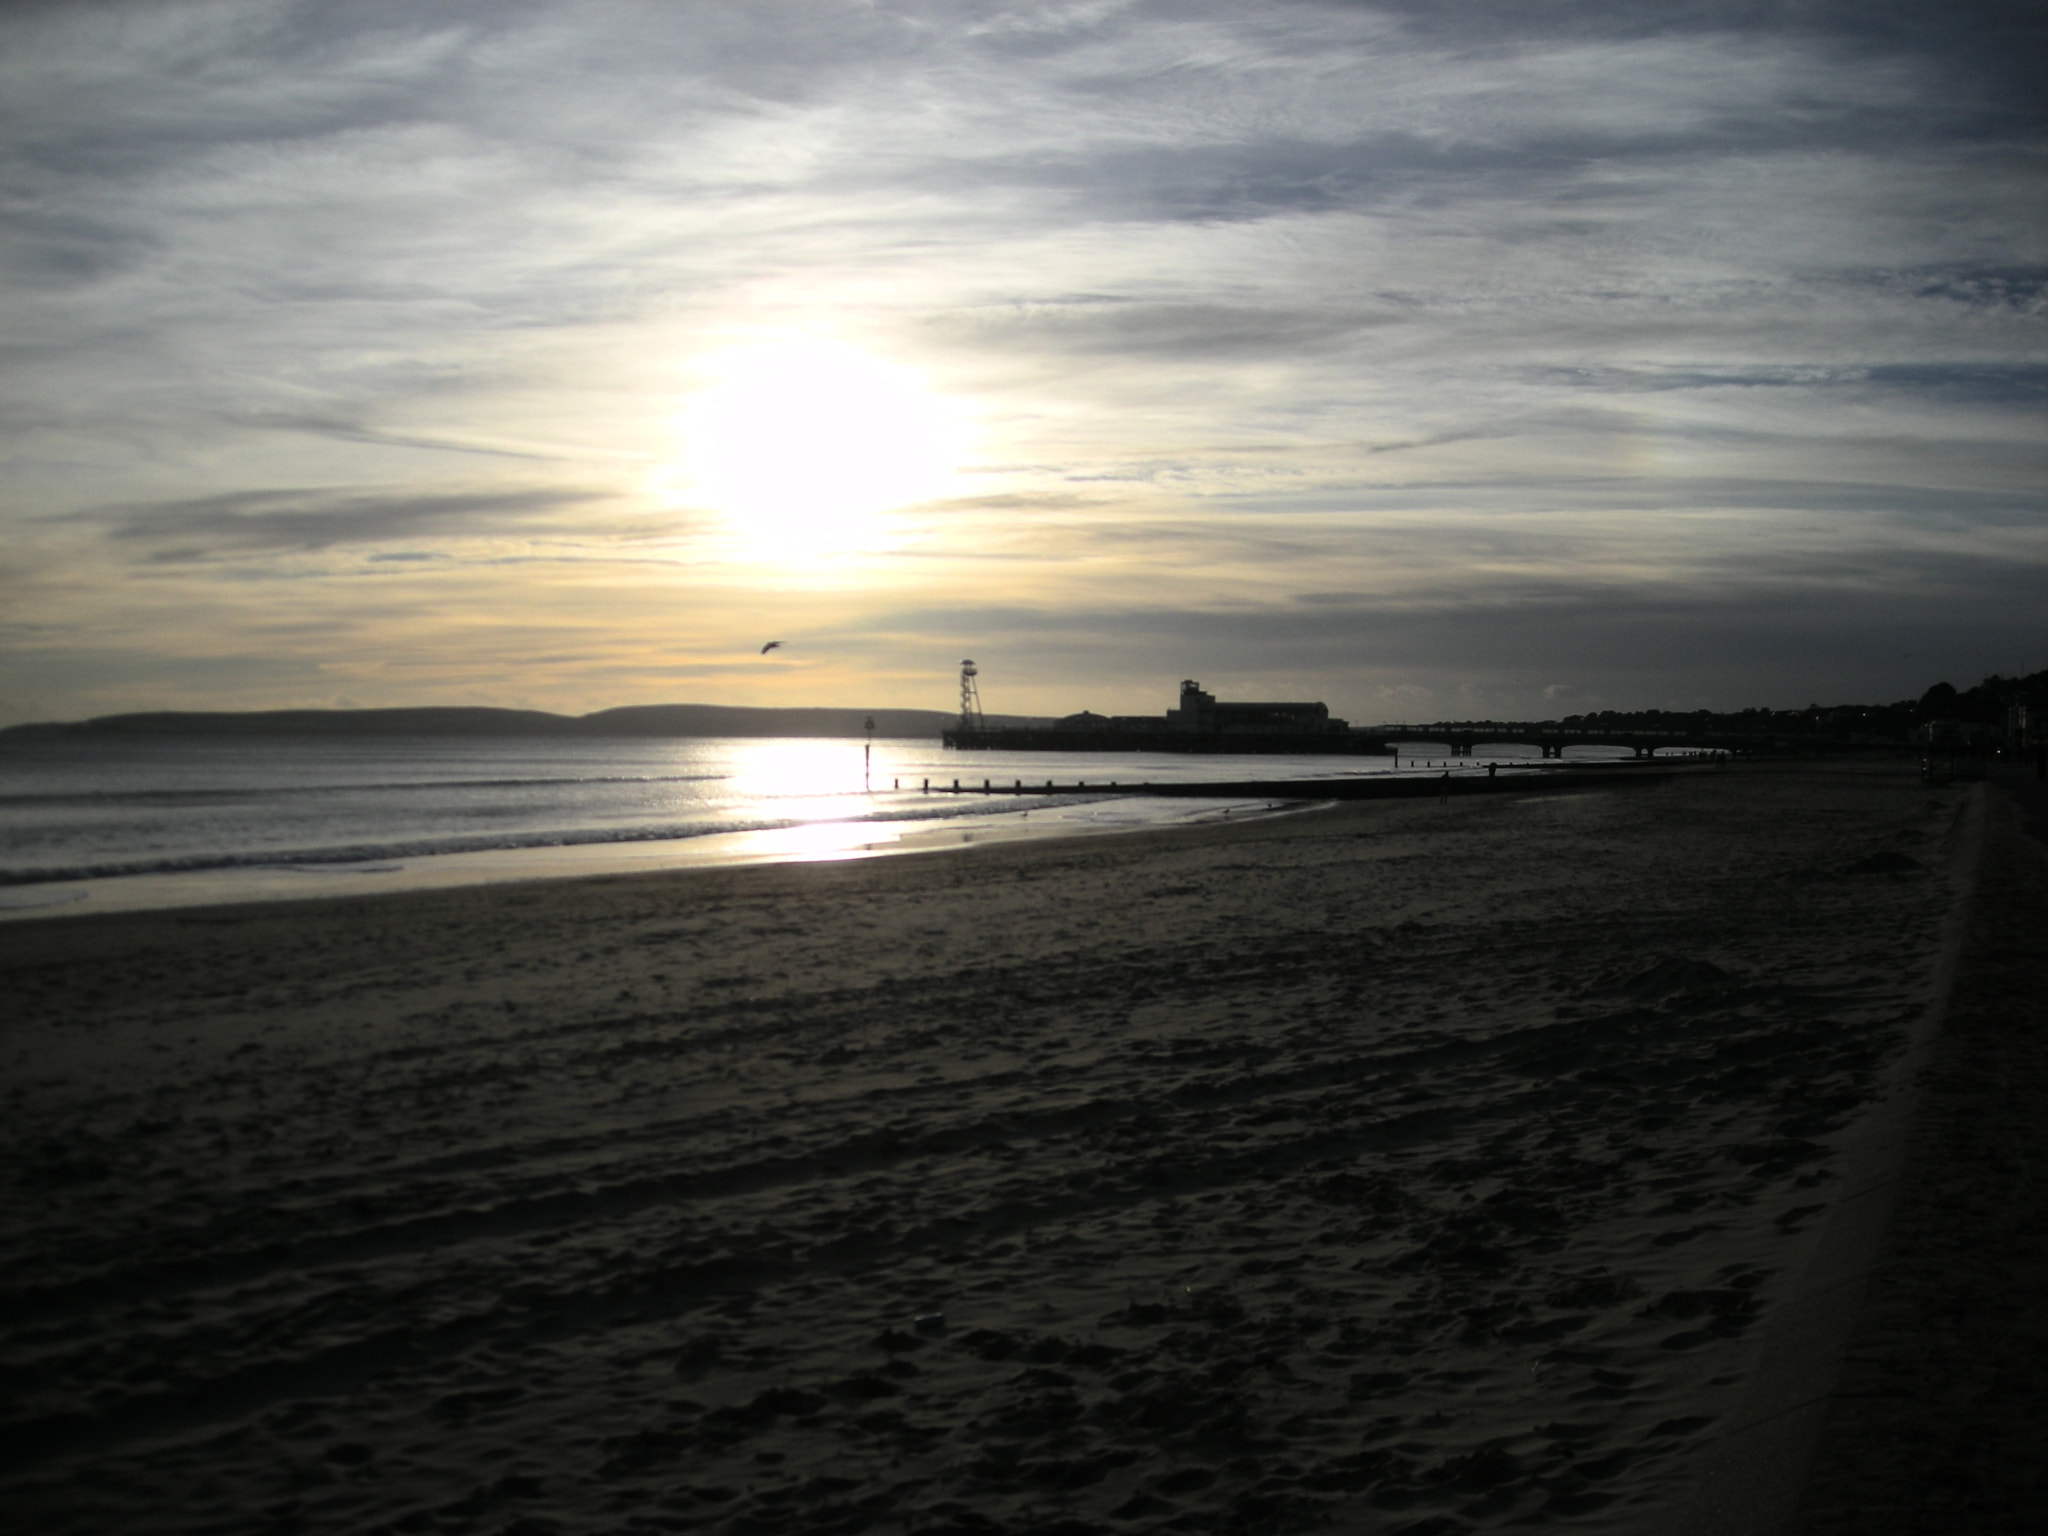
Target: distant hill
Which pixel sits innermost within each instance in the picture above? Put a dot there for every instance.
(735, 720)
(639, 720)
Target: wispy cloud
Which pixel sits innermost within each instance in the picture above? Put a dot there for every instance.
(319, 519)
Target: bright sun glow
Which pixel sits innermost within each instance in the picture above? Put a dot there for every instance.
(804, 445)
(805, 780)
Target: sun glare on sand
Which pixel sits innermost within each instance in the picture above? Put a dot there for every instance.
(804, 446)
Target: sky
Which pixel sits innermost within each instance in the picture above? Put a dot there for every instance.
(1491, 359)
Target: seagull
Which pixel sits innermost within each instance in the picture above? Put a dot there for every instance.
(771, 645)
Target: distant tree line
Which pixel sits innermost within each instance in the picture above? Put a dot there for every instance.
(1987, 704)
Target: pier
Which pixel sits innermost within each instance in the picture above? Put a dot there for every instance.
(1202, 723)
(1460, 739)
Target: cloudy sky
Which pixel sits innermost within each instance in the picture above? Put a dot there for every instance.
(1498, 357)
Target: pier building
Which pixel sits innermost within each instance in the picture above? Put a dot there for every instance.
(1200, 723)
(1201, 712)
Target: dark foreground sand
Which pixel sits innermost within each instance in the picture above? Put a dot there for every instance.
(1939, 1422)
(1400, 1167)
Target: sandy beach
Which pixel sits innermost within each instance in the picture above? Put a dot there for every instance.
(1392, 1167)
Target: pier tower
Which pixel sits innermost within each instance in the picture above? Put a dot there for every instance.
(970, 697)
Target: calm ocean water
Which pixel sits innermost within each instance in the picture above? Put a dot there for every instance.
(167, 822)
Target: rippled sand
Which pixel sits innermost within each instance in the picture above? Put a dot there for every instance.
(1395, 1167)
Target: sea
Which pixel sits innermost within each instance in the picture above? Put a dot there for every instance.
(127, 824)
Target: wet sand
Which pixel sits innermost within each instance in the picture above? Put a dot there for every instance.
(1404, 1167)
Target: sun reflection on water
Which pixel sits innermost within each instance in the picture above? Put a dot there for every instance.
(800, 780)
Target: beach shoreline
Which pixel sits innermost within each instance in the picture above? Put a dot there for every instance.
(1401, 1162)
(1065, 810)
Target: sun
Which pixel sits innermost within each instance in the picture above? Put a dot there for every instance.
(803, 446)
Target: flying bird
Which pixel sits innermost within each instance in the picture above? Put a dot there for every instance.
(771, 645)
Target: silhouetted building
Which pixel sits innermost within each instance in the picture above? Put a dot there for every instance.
(1202, 713)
